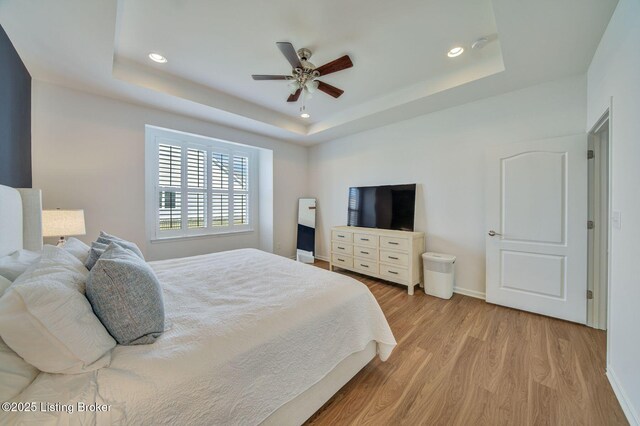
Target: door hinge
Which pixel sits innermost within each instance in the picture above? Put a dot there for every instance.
(591, 155)
(589, 294)
(590, 224)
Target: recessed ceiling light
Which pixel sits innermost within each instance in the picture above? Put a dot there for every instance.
(305, 115)
(156, 57)
(456, 51)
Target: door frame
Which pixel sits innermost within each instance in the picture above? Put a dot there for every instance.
(600, 287)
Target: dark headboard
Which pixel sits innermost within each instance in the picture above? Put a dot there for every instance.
(15, 117)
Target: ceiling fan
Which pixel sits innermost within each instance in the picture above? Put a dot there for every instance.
(304, 74)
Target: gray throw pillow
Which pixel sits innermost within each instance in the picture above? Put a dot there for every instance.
(94, 254)
(105, 238)
(126, 296)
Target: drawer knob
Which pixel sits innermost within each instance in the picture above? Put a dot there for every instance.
(393, 272)
(393, 257)
(364, 239)
(341, 248)
(364, 266)
(393, 243)
(340, 260)
(364, 252)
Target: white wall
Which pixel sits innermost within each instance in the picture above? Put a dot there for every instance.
(615, 72)
(444, 153)
(88, 152)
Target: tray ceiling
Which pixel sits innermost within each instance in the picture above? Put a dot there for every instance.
(401, 68)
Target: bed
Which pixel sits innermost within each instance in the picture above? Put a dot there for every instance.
(250, 338)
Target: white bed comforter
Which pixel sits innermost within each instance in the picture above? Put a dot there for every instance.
(247, 331)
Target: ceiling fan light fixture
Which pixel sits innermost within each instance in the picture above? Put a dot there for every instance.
(311, 86)
(303, 112)
(456, 51)
(156, 57)
(305, 115)
(294, 85)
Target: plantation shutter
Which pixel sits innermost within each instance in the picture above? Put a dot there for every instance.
(220, 189)
(169, 184)
(240, 190)
(202, 189)
(196, 187)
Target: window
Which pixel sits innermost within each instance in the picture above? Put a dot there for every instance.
(198, 186)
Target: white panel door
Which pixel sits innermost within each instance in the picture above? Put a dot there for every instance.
(537, 227)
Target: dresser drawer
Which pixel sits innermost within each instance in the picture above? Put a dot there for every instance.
(367, 266)
(342, 248)
(342, 236)
(340, 260)
(394, 257)
(394, 243)
(393, 273)
(365, 240)
(365, 252)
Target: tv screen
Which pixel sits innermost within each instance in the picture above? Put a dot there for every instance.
(384, 207)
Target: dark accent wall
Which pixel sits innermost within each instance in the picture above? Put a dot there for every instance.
(15, 117)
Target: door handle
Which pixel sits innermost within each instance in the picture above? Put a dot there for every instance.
(493, 233)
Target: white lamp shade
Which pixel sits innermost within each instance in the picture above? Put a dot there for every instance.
(61, 223)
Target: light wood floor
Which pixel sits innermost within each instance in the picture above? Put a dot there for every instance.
(466, 362)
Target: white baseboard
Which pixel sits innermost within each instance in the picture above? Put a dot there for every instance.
(459, 290)
(470, 293)
(629, 410)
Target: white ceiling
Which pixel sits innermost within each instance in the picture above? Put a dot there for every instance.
(398, 48)
(391, 47)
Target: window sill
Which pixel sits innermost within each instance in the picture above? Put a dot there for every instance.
(197, 237)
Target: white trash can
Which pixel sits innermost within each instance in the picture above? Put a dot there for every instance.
(439, 272)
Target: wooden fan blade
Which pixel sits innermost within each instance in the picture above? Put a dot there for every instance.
(269, 77)
(295, 96)
(329, 89)
(337, 65)
(290, 53)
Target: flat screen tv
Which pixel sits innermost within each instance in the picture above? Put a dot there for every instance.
(384, 207)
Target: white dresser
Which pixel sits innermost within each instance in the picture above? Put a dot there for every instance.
(390, 255)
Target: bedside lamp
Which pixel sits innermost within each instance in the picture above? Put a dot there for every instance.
(61, 223)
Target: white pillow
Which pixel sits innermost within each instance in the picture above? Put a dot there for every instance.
(12, 266)
(77, 248)
(15, 373)
(46, 318)
(4, 284)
